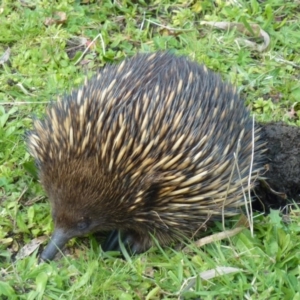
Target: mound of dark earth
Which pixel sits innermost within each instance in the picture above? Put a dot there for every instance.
(283, 165)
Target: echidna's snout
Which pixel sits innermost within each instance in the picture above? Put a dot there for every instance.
(58, 240)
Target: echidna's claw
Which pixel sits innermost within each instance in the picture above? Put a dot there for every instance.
(112, 243)
(131, 241)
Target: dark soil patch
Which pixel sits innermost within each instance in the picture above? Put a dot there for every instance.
(283, 165)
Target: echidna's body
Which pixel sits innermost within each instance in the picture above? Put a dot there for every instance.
(145, 147)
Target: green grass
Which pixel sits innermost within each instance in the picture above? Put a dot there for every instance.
(42, 63)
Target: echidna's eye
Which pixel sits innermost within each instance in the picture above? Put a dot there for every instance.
(82, 225)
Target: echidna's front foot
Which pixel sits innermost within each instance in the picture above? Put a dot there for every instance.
(131, 240)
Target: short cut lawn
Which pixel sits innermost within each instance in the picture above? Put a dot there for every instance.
(48, 47)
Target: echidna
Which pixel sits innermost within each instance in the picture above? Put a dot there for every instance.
(157, 145)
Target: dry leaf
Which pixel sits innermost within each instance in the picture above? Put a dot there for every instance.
(207, 275)
(215, 237)
(59, 17)
(5, 56)
(242, 222)
(258, 32)
(149, 272)
(6, 241)
(31, 247)
(219, 271)
(292, 114)
(28, 3)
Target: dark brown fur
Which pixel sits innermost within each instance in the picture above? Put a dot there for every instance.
(146, 146)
